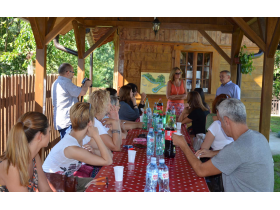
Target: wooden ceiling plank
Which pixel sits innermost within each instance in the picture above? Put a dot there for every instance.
(57, 29)
(39, 38)
(77, 38)
(50, 24)
(164, 25)
(249, 32)
(275, 40)
(214, 44)
(99, 42)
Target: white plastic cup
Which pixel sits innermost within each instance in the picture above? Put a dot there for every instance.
(131, 156)
(179, 127)
(141, 118)
(118, 173)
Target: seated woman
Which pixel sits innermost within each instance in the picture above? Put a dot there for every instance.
(100, 101)
(126, 112)
(194, 112)
(216, 139)
(20, 165)
(67, 155)
(213, 116)
(201, 93)
(143, 97)
(125, 125)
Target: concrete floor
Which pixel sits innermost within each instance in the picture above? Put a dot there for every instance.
(274, 143)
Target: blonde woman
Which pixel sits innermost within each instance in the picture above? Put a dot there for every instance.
(100, 101)
(67, 156)
(176, 91)
(20, 165)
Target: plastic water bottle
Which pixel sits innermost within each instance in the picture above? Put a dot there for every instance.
(145, 121)
(151, 176)
(164, 120)
(150, 142)
(159, 145)
(155, 122)
(163, 177)
(155, 108)
(160, 122)
(173, 113)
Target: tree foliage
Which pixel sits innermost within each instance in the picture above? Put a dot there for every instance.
(276, 83)
(18, 50)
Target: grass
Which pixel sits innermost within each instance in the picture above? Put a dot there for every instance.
(276, 159)
(275, 124)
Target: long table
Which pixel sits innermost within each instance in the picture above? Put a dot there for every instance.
(182, 177)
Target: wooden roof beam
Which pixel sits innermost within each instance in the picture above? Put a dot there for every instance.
(275, 40)
(163, 25)
(50, 24)
(57, 29)
(39, 37)
(216, 46)
(249, 32)
(99, 42)
(77, 38)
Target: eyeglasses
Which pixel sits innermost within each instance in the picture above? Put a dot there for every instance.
(178, 73)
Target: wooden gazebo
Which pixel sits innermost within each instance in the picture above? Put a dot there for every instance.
(138, 49)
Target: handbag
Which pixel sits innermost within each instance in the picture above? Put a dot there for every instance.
(61, 183)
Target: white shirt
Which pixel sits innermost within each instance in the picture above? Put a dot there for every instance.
(64, 95)
(101, 128)
(221, 139)
(56, 161)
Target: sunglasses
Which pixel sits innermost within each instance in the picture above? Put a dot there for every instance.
(178, 73)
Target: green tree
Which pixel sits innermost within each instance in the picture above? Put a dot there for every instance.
(18, 50)
(276, 83)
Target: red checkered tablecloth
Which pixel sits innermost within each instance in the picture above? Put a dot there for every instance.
(182, 177)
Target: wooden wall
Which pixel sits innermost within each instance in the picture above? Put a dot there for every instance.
(145, 52)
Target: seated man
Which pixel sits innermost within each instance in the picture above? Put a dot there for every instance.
(246, 164)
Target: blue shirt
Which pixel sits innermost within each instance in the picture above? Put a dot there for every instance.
(229, 88)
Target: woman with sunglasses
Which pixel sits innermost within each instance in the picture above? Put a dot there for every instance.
(176, 91)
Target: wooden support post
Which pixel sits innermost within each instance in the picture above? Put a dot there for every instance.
(121, 65)
(116, 61)
(235, 48)
(267, 82)
(194, 70)
(81, 71)
(177, 58)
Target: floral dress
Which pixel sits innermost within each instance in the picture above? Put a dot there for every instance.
(32, 185)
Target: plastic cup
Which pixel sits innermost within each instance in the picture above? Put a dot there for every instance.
(118, 173)
(141, 118)
(131, 156)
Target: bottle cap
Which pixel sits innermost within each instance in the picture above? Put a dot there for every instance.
(145, 112)
(151, 129)
(161, 160)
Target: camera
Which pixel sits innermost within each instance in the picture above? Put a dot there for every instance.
(84, 80)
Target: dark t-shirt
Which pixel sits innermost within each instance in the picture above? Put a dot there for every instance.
(198, 118)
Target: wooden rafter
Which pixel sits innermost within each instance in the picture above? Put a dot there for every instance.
(99, 42)
(249, 32)
(77, 38)
(237, 37)
(214, 44)
(39, 37)
(260, 28)
(275, 40)
(50, 24)
(57, 29)
(163, 25)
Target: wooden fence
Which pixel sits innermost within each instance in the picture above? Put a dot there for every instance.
(275, 106)
(17, 96)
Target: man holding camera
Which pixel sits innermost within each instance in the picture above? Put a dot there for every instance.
(64, 95)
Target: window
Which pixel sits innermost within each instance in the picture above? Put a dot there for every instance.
(196, 67)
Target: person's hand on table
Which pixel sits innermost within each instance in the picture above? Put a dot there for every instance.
(204, 153)
(179, 140)
(113, 113)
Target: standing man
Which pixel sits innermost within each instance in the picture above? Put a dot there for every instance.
(227, 86)
(246, 164)
(64, 95)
